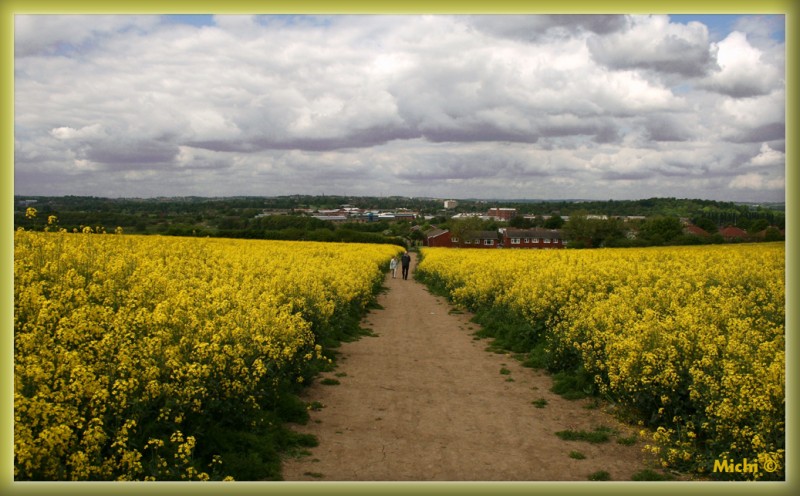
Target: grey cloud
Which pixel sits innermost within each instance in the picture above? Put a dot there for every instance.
(666, 128)
(47, 34)
(607, 134)
(568, 125)
(740, 88)
(778, 146)
(362, 139)
(668, 54)
(476, 133)
(130, 152)
(684, 166)
(681, 170)
(537, 27)
(510, 163)
(612, 175)
(760, 29)
(760, 134)
(458, 167)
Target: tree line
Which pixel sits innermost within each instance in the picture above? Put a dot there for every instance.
(244, 217)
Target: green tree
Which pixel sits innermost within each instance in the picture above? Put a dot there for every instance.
(757, 225)
(554, 222)
(661, 230)
(773, 234)
(461, 228)
(520, 222)
(706, 224)
(585, 232)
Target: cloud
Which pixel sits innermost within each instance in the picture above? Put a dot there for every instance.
(756, 181)
(91, 132)
(763, 32)
(46, 34)
(754, 119)
(536, 28)
(515, 106)
(653, 43)
(768, 157)
(742, 73)
(667, 127)
(121, 153)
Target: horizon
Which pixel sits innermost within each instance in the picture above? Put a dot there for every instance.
(21, 197)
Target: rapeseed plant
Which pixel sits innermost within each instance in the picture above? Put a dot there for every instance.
(691, 340)
(128, 349)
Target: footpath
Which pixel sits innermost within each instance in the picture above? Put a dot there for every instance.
(423, 400)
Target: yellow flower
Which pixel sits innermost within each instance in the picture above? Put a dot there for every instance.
(662, 331)
(108, 327)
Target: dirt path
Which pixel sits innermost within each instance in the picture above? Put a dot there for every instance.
(424, 401)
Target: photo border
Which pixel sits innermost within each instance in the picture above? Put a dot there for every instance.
(8, 8)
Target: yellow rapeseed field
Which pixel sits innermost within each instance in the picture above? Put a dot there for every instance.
(690, 340)
(124, 346)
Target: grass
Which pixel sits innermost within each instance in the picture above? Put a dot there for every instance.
(493, 348)
(374, 305)
(598, 435)
(363, 331)
(600, 475)
(536, 358)
(572, 385)
(592, 405)
(505, 371)
(315, 406)
(329, 381)
(540, 403)
(627, 441)
(577, 455)
(509, 330)
(651, 475)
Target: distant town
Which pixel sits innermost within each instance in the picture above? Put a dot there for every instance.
(413, 222)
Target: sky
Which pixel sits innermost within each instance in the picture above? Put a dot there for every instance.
(499, 106)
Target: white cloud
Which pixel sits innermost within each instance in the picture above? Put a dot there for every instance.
(653, 43)
(238, 24)
(742, 73)
(93, 131)
(515, 106)
(768, 157)
(756, 181)
(46, 33)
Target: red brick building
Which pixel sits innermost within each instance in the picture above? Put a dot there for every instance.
(472, 239)
(733, 233)
(438, 238)
(537, 238)
(504, 214)
(697, 231)
(533, 238)
(478, 239)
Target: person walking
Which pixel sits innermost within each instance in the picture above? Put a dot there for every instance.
(393, 267)
(406, 263)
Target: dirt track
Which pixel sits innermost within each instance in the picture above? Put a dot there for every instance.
(424, 401)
